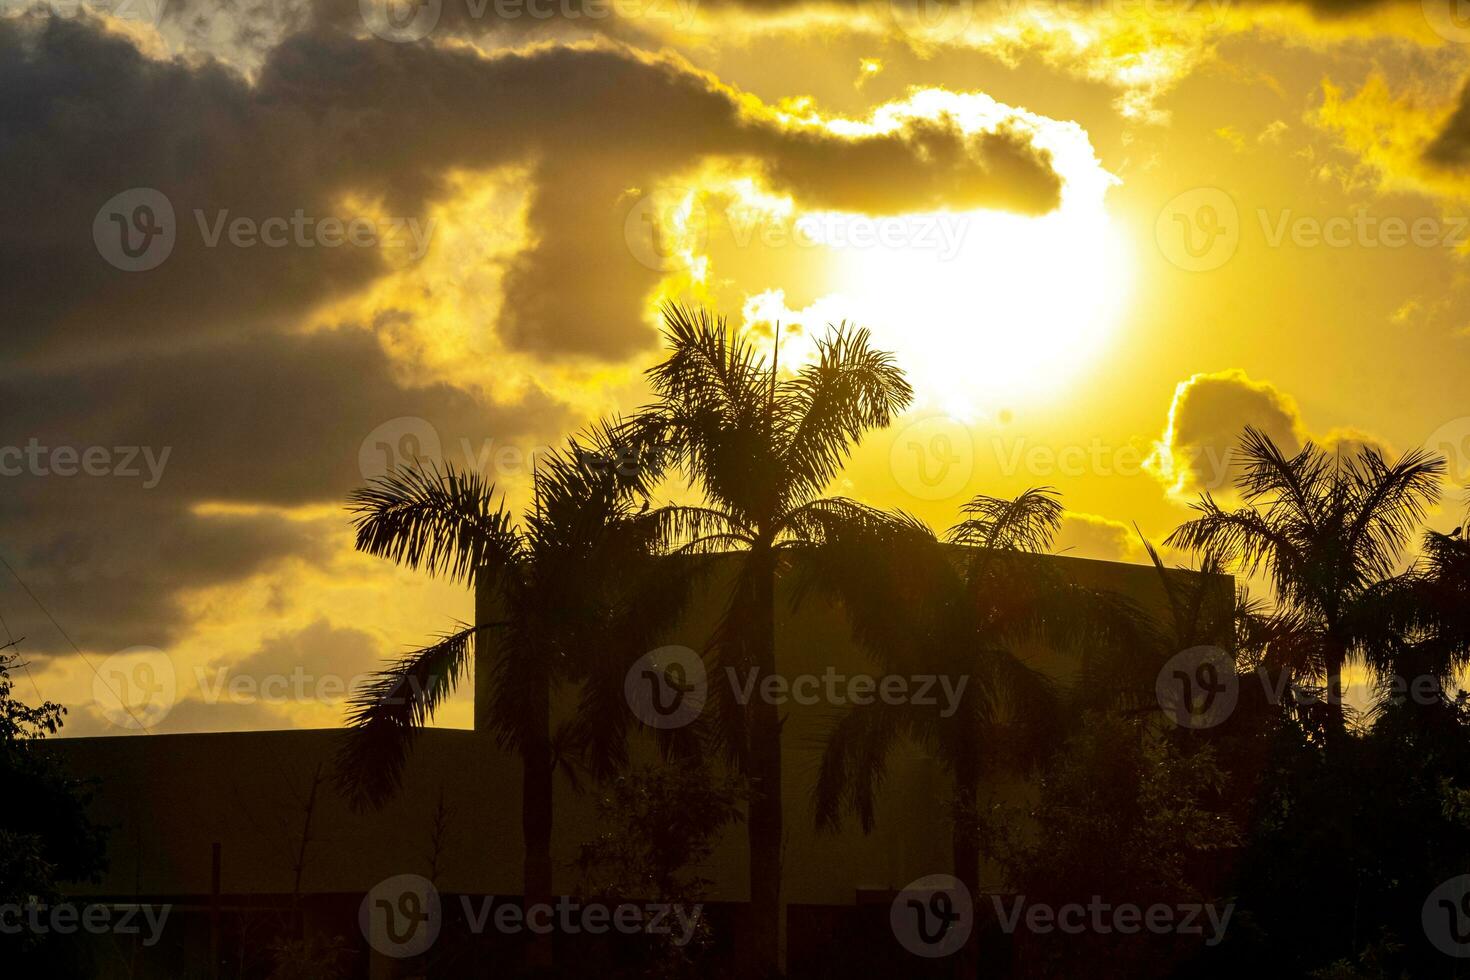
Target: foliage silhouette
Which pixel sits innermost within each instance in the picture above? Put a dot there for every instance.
(581, 599)
(761, 446)
(1326, 528)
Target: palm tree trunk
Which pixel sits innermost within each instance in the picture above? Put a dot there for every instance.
(536, 769)
(966, 847)
(764, 826)
(536, 815)
(1336, 654)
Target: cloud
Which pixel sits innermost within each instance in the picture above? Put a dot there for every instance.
(1090, 536)
(277, 421)
(335, 127)
(229, 356)
(1141, 51)
(304, 673)
(190, 714)
(1198, 450)
(1204, 424)
(1450, 148)
(318, 649)
(1349, 441)
(1400, 138)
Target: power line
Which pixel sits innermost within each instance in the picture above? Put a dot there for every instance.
(11, 641)
(42, 606)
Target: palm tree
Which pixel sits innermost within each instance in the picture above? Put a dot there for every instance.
(762, 446)
(1326, 528)
(1121, 671)
(1120, 663)
(575, 588)
(1428, 619)
(959, 609)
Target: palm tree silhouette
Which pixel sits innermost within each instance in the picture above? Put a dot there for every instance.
(581, 597)
(1327, 528)
(762, 447)
(958, 608)
(1427, 617)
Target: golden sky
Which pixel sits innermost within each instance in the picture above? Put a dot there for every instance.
(1100, 235)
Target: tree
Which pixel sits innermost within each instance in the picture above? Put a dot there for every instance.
(959, 610)
(1126, 814)
(1326, 528)
(762, 446)
(576, 586)
(46, 835)
(1121, 663)
(658, 824)
(1427, 617)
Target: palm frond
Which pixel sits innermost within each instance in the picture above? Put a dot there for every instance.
(386, 714)
(1178, 603)
(1293, 484)
(854, 765)
(895, 582)
(1388, 504)
(1027, 522)
(826, 409)
(1188, 592)
(446, 522)
(681, 529)
(1245, 539)
(828, 520)
(709, 364)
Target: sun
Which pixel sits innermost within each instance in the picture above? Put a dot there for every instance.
(990, 309)
(984, 309)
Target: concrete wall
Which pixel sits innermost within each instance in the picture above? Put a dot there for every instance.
(170, 797)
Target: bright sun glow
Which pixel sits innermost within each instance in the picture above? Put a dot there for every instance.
(984, 310)
(1018, 308)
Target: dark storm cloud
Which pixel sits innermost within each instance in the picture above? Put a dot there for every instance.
(109, 565)
(197, 357)
(1451, 148)
(266, 420)
(89, 116)
(505, 21)
(635, 20)
(271, 419)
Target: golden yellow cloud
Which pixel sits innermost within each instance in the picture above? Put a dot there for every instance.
(1206, 417)
(1387, 133)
